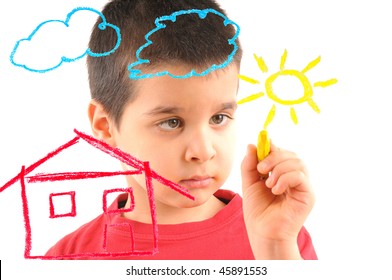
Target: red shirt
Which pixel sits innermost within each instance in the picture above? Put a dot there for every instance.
(221, 237)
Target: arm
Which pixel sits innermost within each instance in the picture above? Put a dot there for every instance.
(275, 206)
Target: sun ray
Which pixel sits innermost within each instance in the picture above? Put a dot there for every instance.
(293, 115)
(313, 105)
(311, 64)
(327, 83)
(283, 60)
(248, 79)
(270, 81)
(260, 62)
(250, 98)
(270, 116)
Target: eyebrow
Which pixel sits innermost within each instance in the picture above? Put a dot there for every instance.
(169, 110)
(163, 110)
(229, 105)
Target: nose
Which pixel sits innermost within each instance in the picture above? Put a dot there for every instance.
(200, 147)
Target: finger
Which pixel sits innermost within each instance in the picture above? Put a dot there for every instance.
(291, 180)
(274, 158)
(249, 172)
(252, 186)
(285, 166)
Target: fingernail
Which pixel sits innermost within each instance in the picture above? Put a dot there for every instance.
(263, 166)
(268, 181)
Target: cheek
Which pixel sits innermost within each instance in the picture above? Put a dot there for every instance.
(139, 147)
(226, 149)
(162, 158)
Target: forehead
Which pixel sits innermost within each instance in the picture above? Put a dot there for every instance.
(220, 81)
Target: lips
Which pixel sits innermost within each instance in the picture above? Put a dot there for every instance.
(197, 182)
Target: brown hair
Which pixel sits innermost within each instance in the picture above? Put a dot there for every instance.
(189, 41)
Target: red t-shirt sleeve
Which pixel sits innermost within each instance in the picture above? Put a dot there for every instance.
(305, 245)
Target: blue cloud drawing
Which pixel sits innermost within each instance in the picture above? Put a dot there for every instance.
(137, 74)
(102, 26)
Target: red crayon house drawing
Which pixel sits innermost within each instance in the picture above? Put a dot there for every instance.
(56, 197)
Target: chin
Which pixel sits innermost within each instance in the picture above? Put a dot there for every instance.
(200, 199)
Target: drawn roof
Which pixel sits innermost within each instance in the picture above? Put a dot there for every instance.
(116, 153)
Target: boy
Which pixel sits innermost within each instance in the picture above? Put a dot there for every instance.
(185, 129)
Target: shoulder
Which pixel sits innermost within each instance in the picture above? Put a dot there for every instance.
(79, 240)
(88, 237)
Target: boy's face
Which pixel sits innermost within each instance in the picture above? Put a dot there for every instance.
(185, 129)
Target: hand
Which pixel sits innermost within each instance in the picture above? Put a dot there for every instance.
(276, 204)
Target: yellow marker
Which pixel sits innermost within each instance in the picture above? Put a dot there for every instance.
(263, 145)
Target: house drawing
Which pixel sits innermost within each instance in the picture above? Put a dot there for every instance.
(57, 198)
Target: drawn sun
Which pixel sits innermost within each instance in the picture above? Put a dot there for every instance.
(269, 89)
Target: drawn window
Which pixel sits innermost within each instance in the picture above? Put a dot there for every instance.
(62, 205)
(108, 195)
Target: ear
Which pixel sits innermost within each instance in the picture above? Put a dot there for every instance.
(101, 124)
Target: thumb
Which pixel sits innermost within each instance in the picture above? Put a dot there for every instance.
(249, 172)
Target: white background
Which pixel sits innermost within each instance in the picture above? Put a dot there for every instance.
(346, 147)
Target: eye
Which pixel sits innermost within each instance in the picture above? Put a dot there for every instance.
(220, 119)
(170, 124)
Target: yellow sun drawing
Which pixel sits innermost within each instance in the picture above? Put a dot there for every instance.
(300, 75)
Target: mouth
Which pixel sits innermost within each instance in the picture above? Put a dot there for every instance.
(197, 182)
